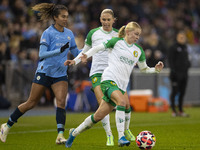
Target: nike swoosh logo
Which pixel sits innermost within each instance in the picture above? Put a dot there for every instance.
(122, 49)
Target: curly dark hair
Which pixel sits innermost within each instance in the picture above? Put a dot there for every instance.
(48, 10)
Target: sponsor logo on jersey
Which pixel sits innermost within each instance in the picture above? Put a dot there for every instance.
(135, 53)
(126, 60)
(94, 80)
(68, 38)
(59, 44)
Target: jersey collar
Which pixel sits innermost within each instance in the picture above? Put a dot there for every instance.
(106, 32)
(129, 45)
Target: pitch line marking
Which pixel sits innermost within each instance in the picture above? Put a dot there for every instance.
(100, 127)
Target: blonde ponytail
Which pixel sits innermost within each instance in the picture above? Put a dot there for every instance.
(121, 32)
(130, 26)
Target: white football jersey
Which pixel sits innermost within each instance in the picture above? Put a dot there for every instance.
(122, 59)
(100, 59)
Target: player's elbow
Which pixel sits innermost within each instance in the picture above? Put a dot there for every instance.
(143, 70)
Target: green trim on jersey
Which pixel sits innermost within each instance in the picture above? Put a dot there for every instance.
(142, 56)
(106, 32)
(116, 30)
(129, 45)
(111, 43)
(88, 40)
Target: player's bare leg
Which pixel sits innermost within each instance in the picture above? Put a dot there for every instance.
(36, 93)
(60, 90)
(104, 109)
(106, 120)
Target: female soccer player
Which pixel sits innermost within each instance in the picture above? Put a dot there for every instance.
(123, 56)
(99, 63)
(55, 43)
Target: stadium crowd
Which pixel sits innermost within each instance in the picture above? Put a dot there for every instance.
(20, 30)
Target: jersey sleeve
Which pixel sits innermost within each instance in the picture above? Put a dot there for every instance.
(142, 56)
(111, 43)
(145, 69)
(88, 39)
(44, 53)
(45, 38)
(44, 47)
(84, 50)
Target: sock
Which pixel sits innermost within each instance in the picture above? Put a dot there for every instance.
(60, 119)
(120, 120)
(86, 124)
(127, 118)
(106, 124)
(14, 117)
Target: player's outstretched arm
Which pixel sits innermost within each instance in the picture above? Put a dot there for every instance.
(94, 50)
(86, 55)
(145, 69)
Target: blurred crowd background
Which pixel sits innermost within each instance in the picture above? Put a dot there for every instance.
(20, 29)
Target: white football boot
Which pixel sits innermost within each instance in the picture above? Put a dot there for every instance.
(4, 132)
(60, 139)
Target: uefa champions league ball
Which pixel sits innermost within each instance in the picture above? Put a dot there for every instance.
(145, 140)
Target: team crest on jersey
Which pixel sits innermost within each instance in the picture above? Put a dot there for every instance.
(69, 38)
(94, 80)
(113, 83)
(38, 77)
(43, 40)
(135, 53)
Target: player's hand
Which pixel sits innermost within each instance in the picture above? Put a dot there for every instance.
(83, 58)
(69, 62)
(62, 49)
(159, 66)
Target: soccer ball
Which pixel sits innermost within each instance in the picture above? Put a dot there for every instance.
(145, 140)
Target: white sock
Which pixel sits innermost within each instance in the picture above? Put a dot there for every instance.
(106, 124)
(86, 124)
(120, 120)
(127, 120)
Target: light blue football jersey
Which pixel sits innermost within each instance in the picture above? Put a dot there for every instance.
(51, 60)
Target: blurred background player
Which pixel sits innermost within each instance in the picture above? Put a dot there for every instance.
(99, 63)
(179, 64)
(123, 56)
(55, 43)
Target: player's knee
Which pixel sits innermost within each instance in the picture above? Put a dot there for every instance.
(122, 102)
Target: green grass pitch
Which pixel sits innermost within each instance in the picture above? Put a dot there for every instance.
(39, 132)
